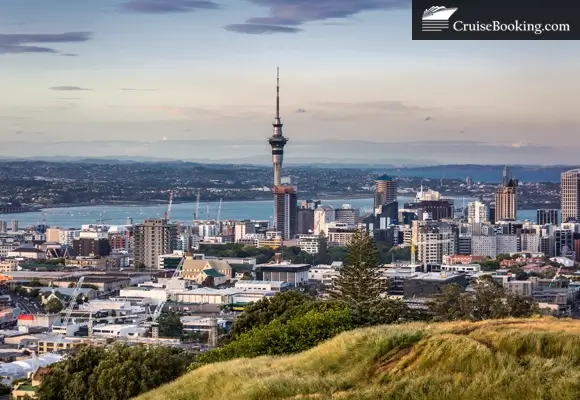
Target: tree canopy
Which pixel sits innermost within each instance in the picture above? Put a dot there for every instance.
(117, 373)
(53, 306)
(170, 325)
(488, 300)
(359, 279)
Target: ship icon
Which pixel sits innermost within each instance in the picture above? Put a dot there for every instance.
(436, 18)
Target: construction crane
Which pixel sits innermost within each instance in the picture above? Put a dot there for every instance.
(159, 309)
(70, 306)
(168, 212)
(219, 211)
(555, 276)
(196, 214)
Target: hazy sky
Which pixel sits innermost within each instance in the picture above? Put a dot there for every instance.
(139, 70)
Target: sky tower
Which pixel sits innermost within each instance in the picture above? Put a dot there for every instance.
(277, 140)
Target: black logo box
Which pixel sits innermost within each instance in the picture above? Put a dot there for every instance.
(565, 14)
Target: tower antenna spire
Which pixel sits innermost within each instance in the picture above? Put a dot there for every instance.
(278, 92)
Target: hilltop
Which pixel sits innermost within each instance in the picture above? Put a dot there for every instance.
(503, 359)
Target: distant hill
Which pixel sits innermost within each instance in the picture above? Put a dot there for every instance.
(508, 360)
(486, 173)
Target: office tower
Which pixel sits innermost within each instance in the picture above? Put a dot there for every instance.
(431, 241)
(492, 213)
(92, 244)
(323, 215)
(547, 217)
(570, 195)
(285, 211)
(3, 227)
(506, 198)
(129, 221)
(386, 191)
(277, 140)
(305, 221)
(14, 225)
(152, 239)
(477, 212)
(345, 214)
(437, 209)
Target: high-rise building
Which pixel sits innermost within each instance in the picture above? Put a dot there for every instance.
(277, 140)
(386, 191)
(3, 227)
(477, 212)
(506, 198)
(305, 221)
(14, 225)
(547, 217)
(285, 211)
(570, 195)
(152, 239)
(323, 215)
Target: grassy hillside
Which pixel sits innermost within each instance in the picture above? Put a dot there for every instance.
(507, 359)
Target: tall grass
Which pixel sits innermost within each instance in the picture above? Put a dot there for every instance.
(508, 359)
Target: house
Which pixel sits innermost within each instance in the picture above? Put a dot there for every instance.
(199, 270)
(28, 389)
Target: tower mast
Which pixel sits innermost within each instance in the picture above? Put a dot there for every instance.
(277, 140)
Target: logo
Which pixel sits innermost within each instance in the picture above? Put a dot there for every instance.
(436, 18)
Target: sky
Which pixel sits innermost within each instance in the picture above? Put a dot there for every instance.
(196, 79)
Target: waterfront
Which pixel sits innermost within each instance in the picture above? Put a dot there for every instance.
(74, 217)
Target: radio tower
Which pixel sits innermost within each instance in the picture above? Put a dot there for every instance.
(277, 140)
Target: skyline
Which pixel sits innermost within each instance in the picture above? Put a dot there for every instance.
(126, 73)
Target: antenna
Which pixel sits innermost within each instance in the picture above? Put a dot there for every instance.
(278, 92)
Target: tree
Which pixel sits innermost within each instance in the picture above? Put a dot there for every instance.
(53, 306)
(35, 283)
(297, 334)
(119, 372)
(283, 305)
(360, 277)
(488, 300)
(170, 325)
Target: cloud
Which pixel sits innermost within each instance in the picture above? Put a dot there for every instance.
(69, 88)
(260, 29)
(69, 55)
(18, 43)
(167, 6)
(285, 14)
(138, 90)
(68, 98)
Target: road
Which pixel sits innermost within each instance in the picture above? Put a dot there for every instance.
(26, 305)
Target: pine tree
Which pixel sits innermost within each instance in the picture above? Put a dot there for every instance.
(359, 280)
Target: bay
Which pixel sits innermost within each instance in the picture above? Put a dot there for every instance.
(74, 217)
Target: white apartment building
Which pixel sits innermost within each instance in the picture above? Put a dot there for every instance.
(67, 236)
(208, 230)
(433, 240)
(506, 244)
(310, 243)
(477, 212)
(243, 228)
(323, 215)
(484, 246)
(339, 233)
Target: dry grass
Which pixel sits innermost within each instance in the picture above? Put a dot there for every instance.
(508, 359)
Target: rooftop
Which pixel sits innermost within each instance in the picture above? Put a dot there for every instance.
(384, 178)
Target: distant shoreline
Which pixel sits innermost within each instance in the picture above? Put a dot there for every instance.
(164, 203)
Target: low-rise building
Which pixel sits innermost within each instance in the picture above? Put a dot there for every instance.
(293, 274)
(430, 283)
